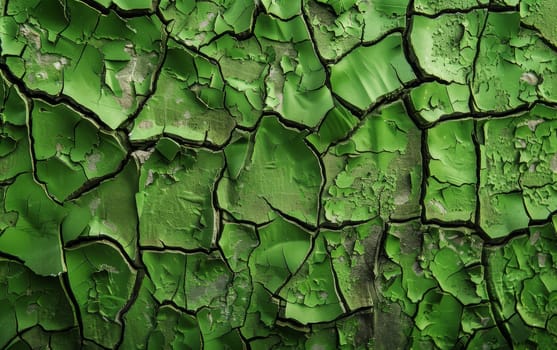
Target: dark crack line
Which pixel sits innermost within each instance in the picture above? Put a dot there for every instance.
(240, 36)
(94, 342)
(407, 47)
(20, 333)
(456, 11)
(533, 28)
(10, 257)
(120, 316)
(499, 322)
(363, 43)
(126, 124)
(477, 150)
(122, 13)
(302, 224)
(66, 285)
(338, 289)
(426, 173)
(295, 324)
(86, 240)
(94, 183)
(176, 249)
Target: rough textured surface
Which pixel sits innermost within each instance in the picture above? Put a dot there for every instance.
(278, 174)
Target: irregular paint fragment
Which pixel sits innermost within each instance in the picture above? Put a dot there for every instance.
(279, 171)
(195, 24)
(336, 125)
(244, 68)
(508, 76)
(70, 151)
(369, 72)
(173, 210)
(523, 279)
(35, 235)
(446, 46)
(310, 294)
(538, 15)
(189, 103)
(451, 187)
(432, 7)
(432, 274)
(334, 33)
(282, 250)
(350, 249)
(433, 100)
(295, 83)
(517, 174)
(101, 280)
(375, 172)
(28, 300)
(105, 63)
(108, 210)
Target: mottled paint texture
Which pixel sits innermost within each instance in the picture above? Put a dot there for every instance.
(278, 174)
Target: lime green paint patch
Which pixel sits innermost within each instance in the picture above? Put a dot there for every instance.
(34, 237)
(433, 100)
(174, 211)
(446, 46)
(375, 171)
(70, 150)
(280, 172)
(369, 72)
(102, 280)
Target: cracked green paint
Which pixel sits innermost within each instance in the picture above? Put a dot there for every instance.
(445, 46)
(33, 233)
(70, 151)
(369, 72)
(524, 281)
(275, 169)
(432, 7)
(28, 301)
(102, 281)
(173, 210)
(306, 174)
(311, 294)
(432, 275)
(186, 79)
(433, 101)
(348, 249)
(103, 62)
(450, 193)
(108, 212)
(364, 177)
(528, 186)
(515, 74)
